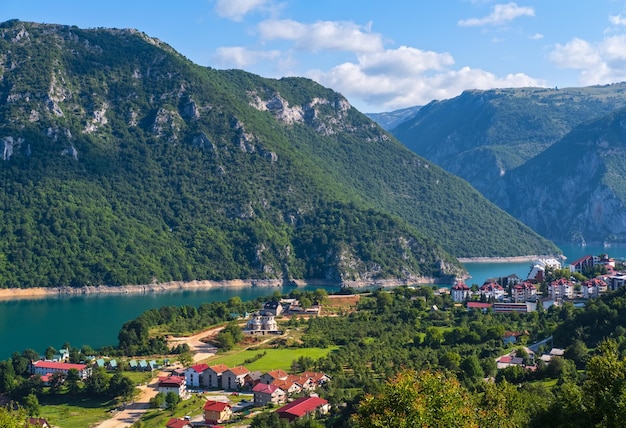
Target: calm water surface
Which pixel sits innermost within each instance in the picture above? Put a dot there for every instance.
(96, 320)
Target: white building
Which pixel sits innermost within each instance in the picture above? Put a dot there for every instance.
(43, 368)
(460, 292)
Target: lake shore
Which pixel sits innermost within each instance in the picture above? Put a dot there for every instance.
(515, 259)
(42, 293)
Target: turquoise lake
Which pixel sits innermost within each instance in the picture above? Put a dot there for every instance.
(96, 320)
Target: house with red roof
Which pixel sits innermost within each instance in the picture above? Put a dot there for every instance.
(178, 423)
(265, 394)
(212, 376)
(291, 385)
(175, 384)
(216, 412)
(44, 367)
(193, 374)
(234, 378)
(303, 406)
(582, 264)
(273, 375)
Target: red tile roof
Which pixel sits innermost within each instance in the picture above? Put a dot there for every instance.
(479, 305)
(219, 368)
(215, 406)
(171, 381)
(177, 423)
(58, 366)
(460, 286)
(265, 388)
(302, 406)
(199, 368)
(239, 371)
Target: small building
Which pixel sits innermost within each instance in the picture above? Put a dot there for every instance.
(194, 374)
(303, 406)
(111, 365)
(175, 384)
(133, 364)
(217, 412)
(212, 376)
(268, 394)
(252, 379)
(593, 288)
(234, 378)
(273, 308)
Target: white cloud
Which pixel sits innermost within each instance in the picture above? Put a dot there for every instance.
(599, 63)
(421, 77)
(239, 57)
(333, 35)
(536, 36)
(501, 14)
(237, 9)
(617, 20)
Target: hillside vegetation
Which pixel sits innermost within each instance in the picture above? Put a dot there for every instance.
(125, 163)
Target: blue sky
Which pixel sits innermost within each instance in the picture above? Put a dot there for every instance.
(381, 55)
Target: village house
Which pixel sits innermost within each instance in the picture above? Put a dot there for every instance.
(193, 375)
(302, 407)
(217, 412)
(460, 292)
(43, 367)
(212, 376)
(252, 379)
(268, 394)
(491, 290)
(317, 377)
(234, 378)
(273, 375)
(562, 288)
(175, 384)
(291, 385)
(505, 307)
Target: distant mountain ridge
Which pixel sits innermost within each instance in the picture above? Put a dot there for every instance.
(124, 163)
(494, 138)
(389, 120)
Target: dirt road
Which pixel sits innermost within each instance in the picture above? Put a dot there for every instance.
(133, 412)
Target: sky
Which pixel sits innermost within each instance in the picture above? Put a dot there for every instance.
(381, 55)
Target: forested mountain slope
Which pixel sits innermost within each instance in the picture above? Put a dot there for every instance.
(125, 163)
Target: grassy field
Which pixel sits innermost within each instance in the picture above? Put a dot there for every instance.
(74, 412)
(272, 360)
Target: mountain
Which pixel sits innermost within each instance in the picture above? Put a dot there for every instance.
(389, 120)
(575, 190)
(482, 135)
(125, 163)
